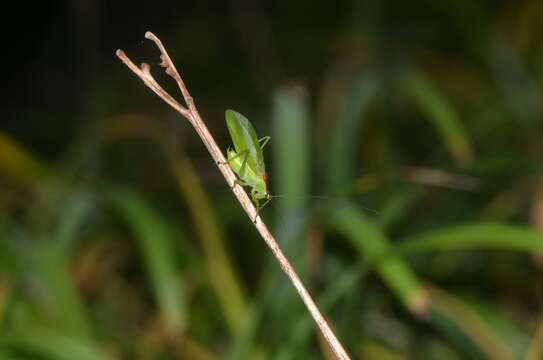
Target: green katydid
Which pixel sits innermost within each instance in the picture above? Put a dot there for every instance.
(246, 159)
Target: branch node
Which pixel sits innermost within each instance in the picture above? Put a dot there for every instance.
(145, 68)
(170, 71)
(164, 61)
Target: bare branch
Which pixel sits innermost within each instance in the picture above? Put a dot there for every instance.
(171, 70)
(191, 114)
(145, 74)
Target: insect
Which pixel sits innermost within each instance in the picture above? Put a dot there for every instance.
(246, 159)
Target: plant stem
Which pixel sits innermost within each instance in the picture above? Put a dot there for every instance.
(191, 114)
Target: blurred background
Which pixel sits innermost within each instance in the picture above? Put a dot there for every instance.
(406, 145)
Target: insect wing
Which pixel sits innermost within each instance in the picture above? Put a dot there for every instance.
(245, 139)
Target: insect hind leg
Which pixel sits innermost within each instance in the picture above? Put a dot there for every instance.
(240, 183)
(228, 160)
(243, 167)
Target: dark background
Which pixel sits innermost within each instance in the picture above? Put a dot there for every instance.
(406, 150)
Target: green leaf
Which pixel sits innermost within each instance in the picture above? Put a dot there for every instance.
(475, 236)
(155, 242)
(441, 115)
(461, 316)
(339, 164)
(291, 149)
(373, 245)
(339, 289)
(220, 270)
(75, 211)
(291, 172)
(54, 270)
(53, 344)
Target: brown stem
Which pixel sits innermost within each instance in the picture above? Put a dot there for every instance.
(191, 114)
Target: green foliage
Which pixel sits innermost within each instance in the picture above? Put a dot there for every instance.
(406, 156)
(155, 243)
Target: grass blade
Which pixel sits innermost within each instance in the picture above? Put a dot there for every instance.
(75, 212)
(372, 244)
(470, 323)
(291, 149)
(304, 328)
(475, 236)
(221, 272)
(441, 114)
(52, 344)
(53, 268)
(339, 169)
(291, 173)
(155, 243)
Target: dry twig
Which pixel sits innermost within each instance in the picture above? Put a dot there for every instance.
(191, 114)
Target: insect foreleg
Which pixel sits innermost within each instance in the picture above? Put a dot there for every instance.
(262, 207)
(264, 141)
